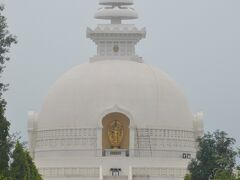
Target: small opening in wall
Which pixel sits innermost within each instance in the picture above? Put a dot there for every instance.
(115, 171)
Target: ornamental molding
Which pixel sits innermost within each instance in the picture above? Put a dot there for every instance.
(68, 133)
(160, 172)
(158, 153)
(69, 172)
(123, 58)
(117, 28)
(94, 172)
(147, 142)
(116, 109)
(164, 144)
(63, 139)
(164, 133)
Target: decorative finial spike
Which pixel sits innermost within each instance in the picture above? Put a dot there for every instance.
(116, 11)
(116, 2)
(116, 41)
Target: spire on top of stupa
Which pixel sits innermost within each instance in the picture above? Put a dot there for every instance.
(116, 11)
(116, 41)
(116, 2)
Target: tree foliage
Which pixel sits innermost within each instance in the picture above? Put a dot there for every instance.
(6, 40)
(19, 168)
(188, 177)
(215, 159)
(224, 175)
(22, 166)
(33, 172)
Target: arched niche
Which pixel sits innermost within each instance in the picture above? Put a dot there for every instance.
(107, 121)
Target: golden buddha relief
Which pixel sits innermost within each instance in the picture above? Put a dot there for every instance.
(115, 134)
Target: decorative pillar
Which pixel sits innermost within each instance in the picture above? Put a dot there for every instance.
(100, 173)
(198, 124)
(99, 142)
(32, 130)
(132, 142)
(130, 175)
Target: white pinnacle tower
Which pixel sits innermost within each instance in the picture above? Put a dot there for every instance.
(116, 40)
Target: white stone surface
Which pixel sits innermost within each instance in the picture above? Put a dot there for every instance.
(85, 94)
(65, 137)
(116, 12)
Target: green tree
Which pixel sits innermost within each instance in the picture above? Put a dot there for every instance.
(2, 177)
(215, 157)
(6, 40)
(224, 175)
(19, 167)
(238, 171)
(188, 177)
(33, 172)
(23, 167)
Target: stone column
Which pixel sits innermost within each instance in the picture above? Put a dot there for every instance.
(130, 175)
(100, 173)
(99, 142)
(32, 130)
(132, 142)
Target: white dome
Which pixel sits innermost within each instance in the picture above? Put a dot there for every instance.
(115, 115)
(86, 93)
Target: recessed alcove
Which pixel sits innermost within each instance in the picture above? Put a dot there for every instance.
(115, 134)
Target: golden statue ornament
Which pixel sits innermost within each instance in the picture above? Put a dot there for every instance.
(115, 134)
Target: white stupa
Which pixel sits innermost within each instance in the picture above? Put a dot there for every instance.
(114, 117)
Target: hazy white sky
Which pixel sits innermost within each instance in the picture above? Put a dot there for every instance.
(196, 42)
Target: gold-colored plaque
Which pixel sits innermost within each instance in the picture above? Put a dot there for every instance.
(115, 134)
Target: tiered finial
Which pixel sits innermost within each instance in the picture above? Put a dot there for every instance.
(116, 11)
(116, 2)
(116, 41)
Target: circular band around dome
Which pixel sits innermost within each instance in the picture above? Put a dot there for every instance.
(116, 13)
(116, 2)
